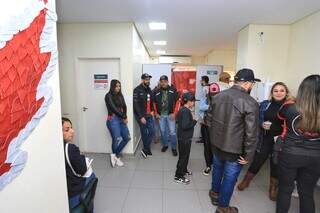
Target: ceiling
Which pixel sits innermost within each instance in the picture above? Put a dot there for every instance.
(194, 27)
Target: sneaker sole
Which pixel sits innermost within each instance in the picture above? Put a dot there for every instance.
(143, 154)
(184, 183)
(205, 174)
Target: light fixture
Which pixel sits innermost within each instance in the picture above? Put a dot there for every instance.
(157, 26)
(161, 52)
(160, 43)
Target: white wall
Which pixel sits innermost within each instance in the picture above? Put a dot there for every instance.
(268, 53)
(303, 58)
(140, 57)
(285, 53)
(242, 48)
(41, 186)
(226, 58)
(100, 40)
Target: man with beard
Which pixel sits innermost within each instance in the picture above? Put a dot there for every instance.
(165, 98)
(233, 137)
(143, 111)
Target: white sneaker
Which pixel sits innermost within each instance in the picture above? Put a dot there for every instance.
(119, 162)
(113, 159)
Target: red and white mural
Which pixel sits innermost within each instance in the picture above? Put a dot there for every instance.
(28, 58)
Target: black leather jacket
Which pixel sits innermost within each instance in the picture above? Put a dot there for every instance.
(234, 122)
(172, 99)
(140, 97)
(297, 142)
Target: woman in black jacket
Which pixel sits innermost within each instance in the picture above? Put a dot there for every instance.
(117, 121)
(271, 126)
(300, 156)
(76, 165)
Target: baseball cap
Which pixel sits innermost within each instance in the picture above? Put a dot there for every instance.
(164, 77)
(187, 97)
(246, 75)
(145, 76)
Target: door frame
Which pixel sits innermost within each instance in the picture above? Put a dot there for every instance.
(82, 135)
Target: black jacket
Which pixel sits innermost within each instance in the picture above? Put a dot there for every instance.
(140, 96)
(185, 124)
(297, 142)
(172, 99)
(116, 105)
(234, 122)
(75, 184)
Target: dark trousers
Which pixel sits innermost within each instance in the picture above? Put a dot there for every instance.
(184, 147)
(306, 171)
(207, 145)
(260, 158)
(147, 133)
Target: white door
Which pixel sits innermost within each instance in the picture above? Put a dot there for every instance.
(93, 73)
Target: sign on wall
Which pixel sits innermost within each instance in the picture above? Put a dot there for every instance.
(100, 81)
(28, 58)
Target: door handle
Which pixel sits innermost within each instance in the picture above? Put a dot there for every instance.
(84, 109)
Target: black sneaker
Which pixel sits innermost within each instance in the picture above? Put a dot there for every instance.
(144, 154)
(164, 148)
(181, 180)
(174, 152)
(149, 152)
(189, 173)
(206, 171)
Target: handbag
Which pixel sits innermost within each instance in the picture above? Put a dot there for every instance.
(88, 164)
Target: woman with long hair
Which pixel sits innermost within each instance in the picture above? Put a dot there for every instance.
(271, 126)
(299, 158)
(117, 121)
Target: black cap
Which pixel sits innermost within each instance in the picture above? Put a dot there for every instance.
(205, 78)
(246, 75)
(145, 76)
(164, 77)
(187, 97)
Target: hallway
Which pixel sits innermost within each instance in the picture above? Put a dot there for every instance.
(145, 186)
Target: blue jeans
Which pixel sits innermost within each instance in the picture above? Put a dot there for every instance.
(147, 132)
(119, 133)
(75, 200)
(224, 178)
(166, 124)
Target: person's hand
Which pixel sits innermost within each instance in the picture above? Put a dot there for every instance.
(193, 116)
(143, 120)
(125, 120)
(171, 116)
(152, 113)
(157, 116)
(242, 161)
(266, 125)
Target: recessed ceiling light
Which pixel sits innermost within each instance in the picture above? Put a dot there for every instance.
(157, 26)
(160, 43)
(161, 52)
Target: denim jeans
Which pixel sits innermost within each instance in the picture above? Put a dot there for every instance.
(224, 178)
(168, 131)
(75, 200)
(147, 132)
(119, 133)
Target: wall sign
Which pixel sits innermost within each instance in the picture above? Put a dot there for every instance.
(100, 81)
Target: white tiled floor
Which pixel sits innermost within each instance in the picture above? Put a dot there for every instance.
(146, 186)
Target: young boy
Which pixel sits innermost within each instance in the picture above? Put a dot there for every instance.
(186, 122)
